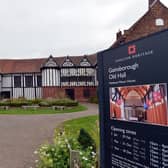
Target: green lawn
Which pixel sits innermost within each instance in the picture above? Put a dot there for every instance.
(20, 111)
(90, 124)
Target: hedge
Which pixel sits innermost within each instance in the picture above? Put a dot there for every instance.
(41, 102)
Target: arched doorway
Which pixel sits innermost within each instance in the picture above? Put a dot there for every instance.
(134, 106)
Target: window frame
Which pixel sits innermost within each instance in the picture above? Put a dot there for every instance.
(37, 77)
(29, 84)
(15, 80)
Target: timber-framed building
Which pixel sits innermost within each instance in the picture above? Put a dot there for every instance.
(73, 76)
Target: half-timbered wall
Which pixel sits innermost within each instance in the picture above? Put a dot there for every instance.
(95, 74)
(6, 81)
(78, 76)
(50, 77)
(22, 85)
(0, 82)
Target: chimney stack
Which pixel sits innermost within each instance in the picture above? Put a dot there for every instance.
(152, 2)
(119, 35)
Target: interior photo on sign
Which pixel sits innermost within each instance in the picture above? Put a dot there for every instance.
(145, 103)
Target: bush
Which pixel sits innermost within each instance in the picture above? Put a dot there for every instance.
(61, 102)
(54, 156)
(65, 102)
(19, 102)
(44, 104)
(94, 100)
(15, 102)
(4, 103)
(57, 155)
(85, 140)
(35, 101)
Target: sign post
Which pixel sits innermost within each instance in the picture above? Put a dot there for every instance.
(74, 159)
(133, 82)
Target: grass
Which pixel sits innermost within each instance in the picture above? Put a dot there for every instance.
(90, 124)
(20, 111)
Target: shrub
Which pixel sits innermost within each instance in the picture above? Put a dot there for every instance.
(86, 140)
(57, 155)
(44, 104)
(88, 158)
(15, 102)
(54, 156)
(35, 101)
(4, 103)
(19, 102)
(94, 100)
(65, 102)
(61, 102)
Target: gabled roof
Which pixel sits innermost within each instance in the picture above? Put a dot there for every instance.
(67, 62)
(77, 59)
(92, 59)
(85, 61)
(50, 62)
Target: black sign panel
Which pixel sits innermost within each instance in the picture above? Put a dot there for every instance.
(133, 82)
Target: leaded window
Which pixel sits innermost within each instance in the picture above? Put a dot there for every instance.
(85, 62)
(17, 81)
(39, 81)
(29, 81)
(68, 63)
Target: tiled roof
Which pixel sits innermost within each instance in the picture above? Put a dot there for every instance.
(20, 66)
(33, 65)
(77, 59)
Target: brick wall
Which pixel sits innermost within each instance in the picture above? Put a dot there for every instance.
(146, 25)
(59, 92)
(53, 92)
(79, 93)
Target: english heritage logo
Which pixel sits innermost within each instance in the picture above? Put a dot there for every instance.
(131, 49)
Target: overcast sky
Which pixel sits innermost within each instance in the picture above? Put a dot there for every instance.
(38, 28)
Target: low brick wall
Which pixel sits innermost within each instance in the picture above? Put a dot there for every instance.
(57, 92)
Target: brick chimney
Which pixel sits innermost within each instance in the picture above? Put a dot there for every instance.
(152, 2)
(118, 35)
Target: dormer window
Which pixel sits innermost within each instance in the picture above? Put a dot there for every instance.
(85, 62)
(50, 62)
(68, 63)
(159, 22)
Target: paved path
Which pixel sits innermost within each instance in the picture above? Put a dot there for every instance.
(20, 136)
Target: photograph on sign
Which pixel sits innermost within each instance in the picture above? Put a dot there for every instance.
(143, 103)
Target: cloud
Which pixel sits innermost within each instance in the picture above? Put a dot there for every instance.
(75, 27)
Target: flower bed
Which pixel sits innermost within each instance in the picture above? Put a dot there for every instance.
(57, 155)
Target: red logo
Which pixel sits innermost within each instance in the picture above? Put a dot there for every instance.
(132, 49)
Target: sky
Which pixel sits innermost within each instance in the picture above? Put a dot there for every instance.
(38, 28)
